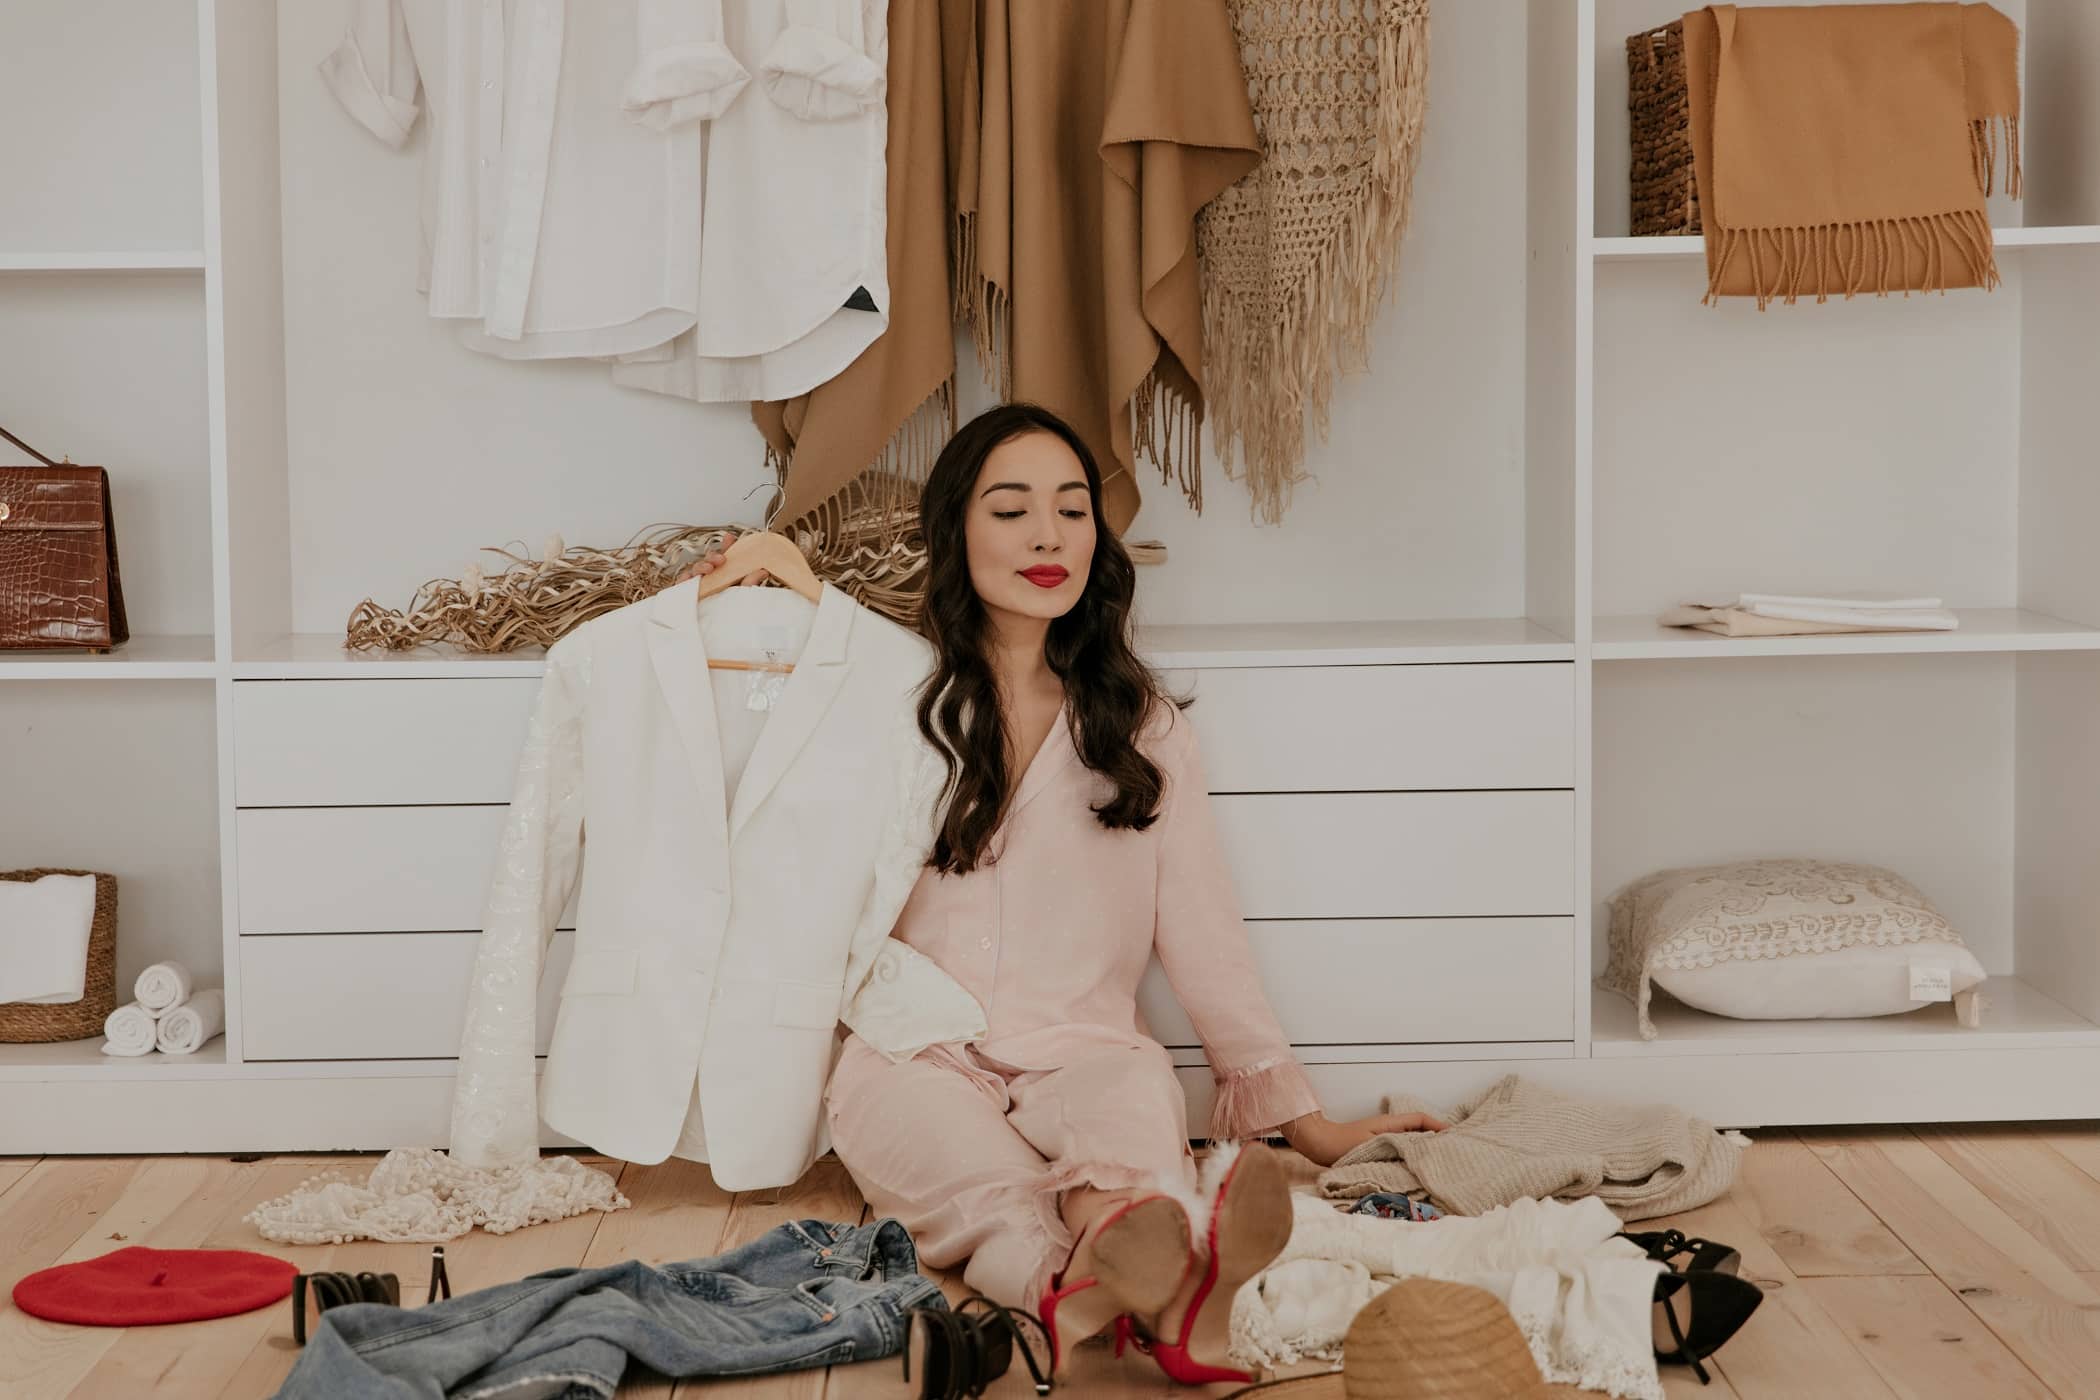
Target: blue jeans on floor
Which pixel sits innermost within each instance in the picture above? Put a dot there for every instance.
(804, 1295)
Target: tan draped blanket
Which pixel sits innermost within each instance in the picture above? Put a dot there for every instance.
(1066, 146)
(1093, 131)
(1849, 148)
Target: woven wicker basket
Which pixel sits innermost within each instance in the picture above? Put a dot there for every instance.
(1665, 192)
(21, 1023)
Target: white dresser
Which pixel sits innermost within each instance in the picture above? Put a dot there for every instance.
(1406, 861)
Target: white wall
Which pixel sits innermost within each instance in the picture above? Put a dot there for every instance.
(1863, 444)
(408, 452)
(79, 170)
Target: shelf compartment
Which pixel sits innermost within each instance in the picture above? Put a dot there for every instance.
(140, 659)
(2015, 1017)
(1693, 245)
(84, 1060)
(1642, 638)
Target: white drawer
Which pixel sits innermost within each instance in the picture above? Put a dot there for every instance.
(1384, 728)
(1367, 855)
(1401, 981)
(367, 869)
(369, 996)
(343, 743)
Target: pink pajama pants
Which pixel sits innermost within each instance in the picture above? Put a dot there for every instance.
(975, 1158)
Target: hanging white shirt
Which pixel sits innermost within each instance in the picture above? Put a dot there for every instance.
(557, 222)
(795, 207)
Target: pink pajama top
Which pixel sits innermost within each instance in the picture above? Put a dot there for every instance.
(1053, 935)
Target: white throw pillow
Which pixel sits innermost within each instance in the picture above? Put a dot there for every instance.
(1783, 940)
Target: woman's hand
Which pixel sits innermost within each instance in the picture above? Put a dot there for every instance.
(713, 561)
(1325, 1141)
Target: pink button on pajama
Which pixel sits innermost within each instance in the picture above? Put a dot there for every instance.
(973, 1147)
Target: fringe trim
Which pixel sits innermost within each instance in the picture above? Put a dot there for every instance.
(1166, 428)
(984, 306)
(866, 539)
(1987, 135)
(1875, 255)
(1263, 380)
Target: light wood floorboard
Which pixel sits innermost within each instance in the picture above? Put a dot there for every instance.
(1924, 1263)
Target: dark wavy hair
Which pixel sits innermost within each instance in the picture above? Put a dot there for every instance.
(1109, 692)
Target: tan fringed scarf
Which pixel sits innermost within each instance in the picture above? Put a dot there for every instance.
(854, 452)
(1296, 256)
(1849, 148)
(1093, 131)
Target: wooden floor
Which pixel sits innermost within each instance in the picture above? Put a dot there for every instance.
(1958, 1262)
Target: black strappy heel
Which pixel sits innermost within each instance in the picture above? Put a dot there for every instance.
(314, 1294)
(1666, 1245)
(961, 1351)
(1715, 1306)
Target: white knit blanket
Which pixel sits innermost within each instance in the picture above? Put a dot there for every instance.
(419, 1195)
(1582, 1299)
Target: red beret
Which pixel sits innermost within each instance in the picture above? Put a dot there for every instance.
(136, 1286)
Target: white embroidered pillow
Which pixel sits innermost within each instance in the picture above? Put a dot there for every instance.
(1782, 940)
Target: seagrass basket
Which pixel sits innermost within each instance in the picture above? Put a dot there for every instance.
(1665, 192)
(22, 1023)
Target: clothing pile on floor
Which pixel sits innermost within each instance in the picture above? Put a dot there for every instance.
(168, 1015)
(1807, 614)
(1533, 1186)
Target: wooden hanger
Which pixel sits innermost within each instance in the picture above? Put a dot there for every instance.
(775, 554)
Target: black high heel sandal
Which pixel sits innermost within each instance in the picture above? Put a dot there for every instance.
(1714, 1304)
(1666, 1245)
(314, 1294)
(960, 1351)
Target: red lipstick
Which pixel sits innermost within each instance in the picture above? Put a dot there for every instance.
(1046, 575)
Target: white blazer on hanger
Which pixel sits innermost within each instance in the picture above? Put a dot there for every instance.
(729, 920)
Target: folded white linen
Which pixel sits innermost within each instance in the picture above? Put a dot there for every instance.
(1890, 619)
(163, 985)
(130, 1030)
(1864, 599)
(1734, 622)
(45, 925)
(185, 1029)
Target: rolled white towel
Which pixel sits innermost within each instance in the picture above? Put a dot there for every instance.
(131, 1031)
(185, 1029)
(163, 985)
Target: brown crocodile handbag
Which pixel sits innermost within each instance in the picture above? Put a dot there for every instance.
(58, 557)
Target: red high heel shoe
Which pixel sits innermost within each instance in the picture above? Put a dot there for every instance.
(1250, 1223)
(1138, 1259)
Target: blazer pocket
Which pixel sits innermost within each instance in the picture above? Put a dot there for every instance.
(808, 1005)
(600, 972)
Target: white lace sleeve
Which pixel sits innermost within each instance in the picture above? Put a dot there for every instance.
(897, 999)
(495, 1105)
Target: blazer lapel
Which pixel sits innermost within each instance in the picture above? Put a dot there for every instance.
(819, 673)
(680, 661)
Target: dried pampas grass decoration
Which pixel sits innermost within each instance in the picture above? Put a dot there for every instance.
(532, 602)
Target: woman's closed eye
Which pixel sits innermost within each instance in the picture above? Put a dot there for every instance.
(1008, 514)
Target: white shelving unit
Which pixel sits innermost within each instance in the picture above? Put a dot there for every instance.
(1556, 442)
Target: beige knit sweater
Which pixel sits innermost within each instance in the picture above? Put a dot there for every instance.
(1523, 1140)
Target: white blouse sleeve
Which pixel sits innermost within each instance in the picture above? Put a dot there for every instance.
(372, 72)
(820, 67)
(685, 72)
(495, 1104)
(899, 1000)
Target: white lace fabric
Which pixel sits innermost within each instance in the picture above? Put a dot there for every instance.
(1582, 1299)
(418, 1195)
